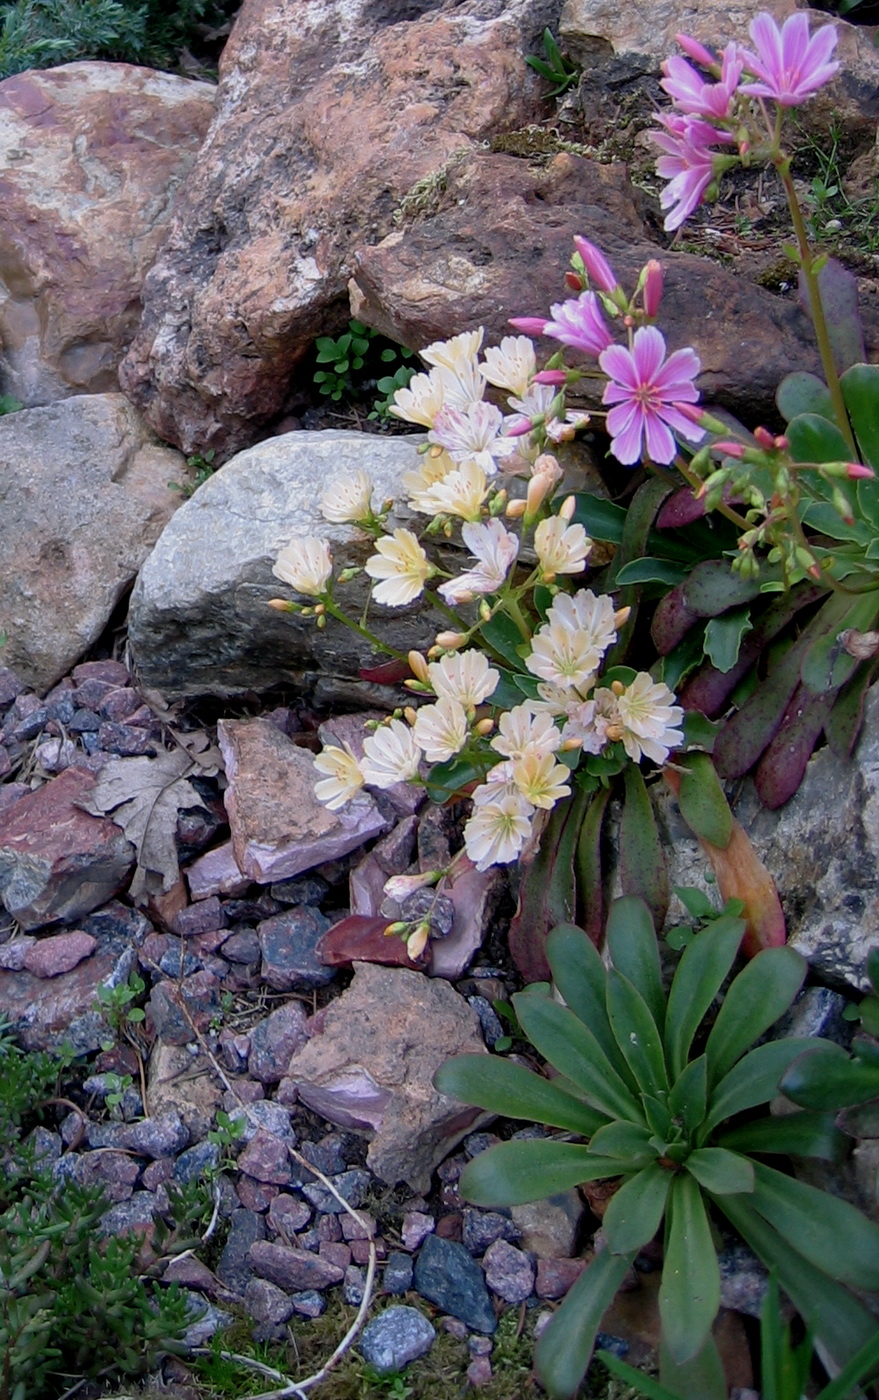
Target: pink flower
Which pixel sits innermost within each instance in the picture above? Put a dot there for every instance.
(697, 51)
(647, 388)
(693, 96)
(791, 64)
(598, 269)
(580, 324)
(688, 164)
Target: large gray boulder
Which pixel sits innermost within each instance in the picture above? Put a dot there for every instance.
(199, 620)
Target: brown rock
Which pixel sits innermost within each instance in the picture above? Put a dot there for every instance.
(292, 1269)
(511, 228)
(325, 119)
(92, 154)
(56, 861)
(373, 1065)
(186, 1085)
(46, 1011)
(279, 828)
(85, 497)
(216, 872)
(49, 957)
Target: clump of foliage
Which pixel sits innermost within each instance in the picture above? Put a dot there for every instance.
(41, 33)
(665, 1093)
(554, 68)
(70, 1302)
(352, 363)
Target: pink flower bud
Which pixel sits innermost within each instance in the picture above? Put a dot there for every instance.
(551, 376)
(574, 282)
(696, 51)
(692, 411)
(528, 325)
(597, 266)
(855, 471)
(519, 429)
(765, 439)
(653, 287)
(730, 449)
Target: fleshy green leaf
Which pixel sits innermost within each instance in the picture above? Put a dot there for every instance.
(642, 861)
(637, 1380)
(803, 1134)
(635, 1211)
(588, 867)
(802, 392)
(760, 994)
(601, 519)
(700, 974)
(689, 1295)
(448, 780)
(626, 1141)
(518, 1171)
(634, 951)
(827, 665)
(713, 588)
(514, 1092)
(568, 1045)
(503, 635)
(813, 438)
(839, 1321)
(827, 1231)
(649, 570)
(702, 800)
(826, 1077)
(754, 1080)
(564, 1347)
(722, 1172)
(860, 389)
(700, 1378)
(723, 637)
(688, 1098)
(581, 978)
(636, 1033)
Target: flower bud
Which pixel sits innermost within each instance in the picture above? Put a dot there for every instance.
(400, 927)
(551, 376)
(514, 511)
(483, 727)
(567, 508)
(346, 575)
(284, 605)
(617, 687)
(418, 666)
(399, 887)
(598, 269)
(621, 617)
(730, 449)
(573, 282)
(450, 641)
(417, 941)
(696, 51)
(653, 287)
(410, 714)
(855, 471)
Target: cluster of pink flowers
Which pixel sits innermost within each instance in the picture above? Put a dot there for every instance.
(788, 65)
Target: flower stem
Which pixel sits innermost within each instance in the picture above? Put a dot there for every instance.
(364, 632)
(816, 305)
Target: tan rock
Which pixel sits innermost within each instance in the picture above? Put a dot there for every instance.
(85, 496)
(373, 1066)
(185, 1084)
(328, 113)
(92, 154)
(279, 828)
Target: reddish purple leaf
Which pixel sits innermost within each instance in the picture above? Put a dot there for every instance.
(388, 673)
(672, 620)
(680, 509)
(362, 938)
(780, 770)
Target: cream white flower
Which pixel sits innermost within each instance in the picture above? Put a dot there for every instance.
(344, 778)
(585, 725)
(401, 565)
(498, 829)
(472, 433)
(561, 548)
(460, 493)
(306, 564)
(649, 718)
(465, 676)
(563, 656)
(495, 550)
(590, 614)
(441, 730)
(390, 755)
(541, 780)
(349, 499)
(399, 887)
(456, 360)
(432, 467)
(521, 732)
(511, 364)
(421, 400)
(536, 402)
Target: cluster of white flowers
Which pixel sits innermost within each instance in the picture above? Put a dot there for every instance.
(518, 750)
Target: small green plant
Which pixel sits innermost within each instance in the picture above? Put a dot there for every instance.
(116, 1006)
(388, 385)
(555, 68)
(202, 464)
(226, 1136)
(785, 1367)
(118, 1085)
(666, 1100)
(702, 912)
(345, 355)
(9, 404)
(70, 1301)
